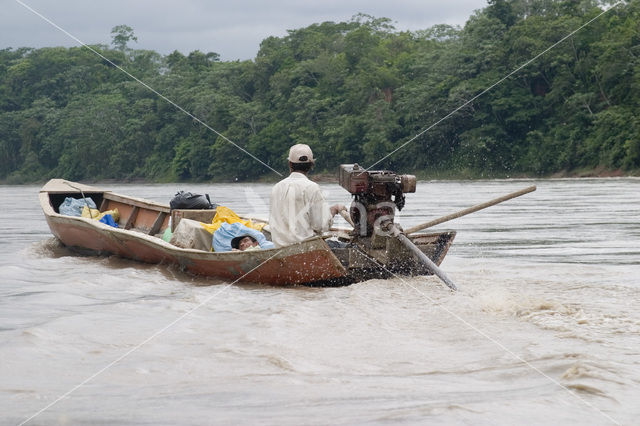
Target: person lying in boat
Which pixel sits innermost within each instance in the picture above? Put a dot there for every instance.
(229, 235)
(244, 242)
(298, 208)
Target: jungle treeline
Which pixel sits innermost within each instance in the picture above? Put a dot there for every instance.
(354, 91)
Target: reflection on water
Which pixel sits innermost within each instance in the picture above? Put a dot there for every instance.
(549, 278)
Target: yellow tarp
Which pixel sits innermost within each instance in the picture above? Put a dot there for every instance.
(225, 214)
(96, 214)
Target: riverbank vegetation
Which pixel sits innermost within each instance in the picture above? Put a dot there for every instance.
(354, 91)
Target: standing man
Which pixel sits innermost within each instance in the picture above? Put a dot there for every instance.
(298, 209)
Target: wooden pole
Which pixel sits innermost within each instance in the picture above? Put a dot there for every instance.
(435, 270)
(468, 210)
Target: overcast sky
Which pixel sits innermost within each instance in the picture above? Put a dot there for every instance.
(234, 29)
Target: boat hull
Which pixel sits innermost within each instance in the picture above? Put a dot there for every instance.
(311, 262)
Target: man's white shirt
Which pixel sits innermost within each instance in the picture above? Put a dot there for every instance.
(298, 210)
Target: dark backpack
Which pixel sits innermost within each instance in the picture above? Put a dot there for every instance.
(187, 200)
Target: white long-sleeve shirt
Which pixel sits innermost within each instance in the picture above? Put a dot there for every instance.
(298, 210)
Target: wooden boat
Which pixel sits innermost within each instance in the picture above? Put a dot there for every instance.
(311, 262)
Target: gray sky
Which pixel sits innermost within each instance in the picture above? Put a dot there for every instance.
(234, 29)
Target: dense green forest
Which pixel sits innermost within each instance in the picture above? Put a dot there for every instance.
(354, 91)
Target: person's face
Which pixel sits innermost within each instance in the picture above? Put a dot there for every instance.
(245, 243)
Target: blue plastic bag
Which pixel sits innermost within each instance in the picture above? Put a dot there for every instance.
(73, 206)
(108, 220)
(228, 231)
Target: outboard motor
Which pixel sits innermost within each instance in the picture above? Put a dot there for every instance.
(376, 195)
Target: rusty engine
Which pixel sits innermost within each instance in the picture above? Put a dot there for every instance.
(376, 195)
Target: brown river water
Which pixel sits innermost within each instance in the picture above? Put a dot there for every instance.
(545, 328)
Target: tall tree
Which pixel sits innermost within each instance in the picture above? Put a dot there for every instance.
(121, 36)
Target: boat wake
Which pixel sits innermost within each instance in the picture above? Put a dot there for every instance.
(47, 248)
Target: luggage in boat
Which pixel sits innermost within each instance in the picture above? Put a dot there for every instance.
(190, 234)
(73, 206)
(187, 200)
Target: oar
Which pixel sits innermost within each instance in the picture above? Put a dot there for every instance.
(469, 210)
(422, 257)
